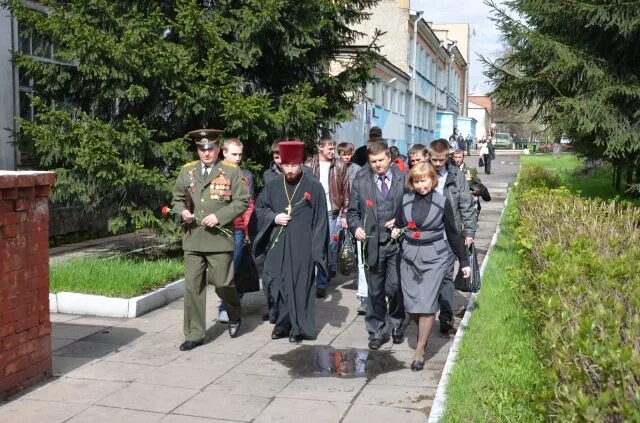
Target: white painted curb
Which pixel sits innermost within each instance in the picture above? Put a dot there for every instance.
(440, 400)
(96, 305)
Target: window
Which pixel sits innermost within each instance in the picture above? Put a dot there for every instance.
(401, 104)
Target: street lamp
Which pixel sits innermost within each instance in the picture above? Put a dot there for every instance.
(418, 16)
(493, 129)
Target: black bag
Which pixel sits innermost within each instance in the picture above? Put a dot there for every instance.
(479, 190)
(247, 278)
(347, 254)
(481, 162)
(472, 283)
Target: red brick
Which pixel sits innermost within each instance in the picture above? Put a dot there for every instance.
(45, 178)
(27, 377)
(7, 330)
(19, 364)
(45, 317)
(28, 347)
(26, 192)
(6, 206)
(18, 262)
(10, 218)
(43, 191)
(14, 315)
(33, 332)
(24, 204)
(12, 341)
(27, 323)
(7, 356)
(44, 329)
(10, 231)
(8, 181)
(10, 193)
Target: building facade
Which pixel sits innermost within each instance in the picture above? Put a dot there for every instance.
(8, 93)
(437, 69)
(483, 119)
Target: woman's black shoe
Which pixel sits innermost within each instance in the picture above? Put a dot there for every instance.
(279, 333)
(416, 366)
(295, 339)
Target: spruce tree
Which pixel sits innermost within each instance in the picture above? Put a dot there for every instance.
(130, 78)
(577, 63)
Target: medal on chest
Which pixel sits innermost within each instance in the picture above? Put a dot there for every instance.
(192, 181)
(220, 187)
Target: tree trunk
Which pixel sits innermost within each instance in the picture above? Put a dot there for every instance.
(618, 177)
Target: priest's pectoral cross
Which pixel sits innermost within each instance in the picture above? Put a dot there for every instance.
(288, 209)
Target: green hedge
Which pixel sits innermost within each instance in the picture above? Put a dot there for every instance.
(581, 290)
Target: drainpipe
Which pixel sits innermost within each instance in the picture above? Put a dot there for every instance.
(413, 73)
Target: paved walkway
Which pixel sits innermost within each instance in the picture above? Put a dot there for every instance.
(132, 371)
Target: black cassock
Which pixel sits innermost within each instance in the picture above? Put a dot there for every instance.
(289, 263)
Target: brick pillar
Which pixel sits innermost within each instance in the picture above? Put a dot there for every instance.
(25, 327)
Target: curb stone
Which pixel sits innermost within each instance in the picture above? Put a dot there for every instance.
(97, 305)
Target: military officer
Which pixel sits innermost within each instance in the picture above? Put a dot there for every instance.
(207, 196)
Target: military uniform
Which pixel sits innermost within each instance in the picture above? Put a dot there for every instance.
(208, 251)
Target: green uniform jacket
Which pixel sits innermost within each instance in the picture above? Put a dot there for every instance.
(222, 193)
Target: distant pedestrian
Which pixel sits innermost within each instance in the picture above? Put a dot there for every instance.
(360, 155)
(416, 154)
(468, 142)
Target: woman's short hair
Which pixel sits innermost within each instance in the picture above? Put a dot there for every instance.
(421, 171)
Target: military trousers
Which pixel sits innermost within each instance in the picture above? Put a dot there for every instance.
(201, 269)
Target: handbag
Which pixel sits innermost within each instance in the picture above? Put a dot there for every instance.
(247, 278)
(347, 254)
(481, 162)
(472, 283)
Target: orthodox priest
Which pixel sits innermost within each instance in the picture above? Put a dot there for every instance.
(292, 239)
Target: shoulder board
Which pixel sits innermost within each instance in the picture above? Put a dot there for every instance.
(193, 163)
(226, 163)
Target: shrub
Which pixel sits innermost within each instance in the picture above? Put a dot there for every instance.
(537, 176)
(581, 288)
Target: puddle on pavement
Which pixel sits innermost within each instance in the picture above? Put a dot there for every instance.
(325, 361)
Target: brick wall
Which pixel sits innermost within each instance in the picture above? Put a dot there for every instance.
(25, 327)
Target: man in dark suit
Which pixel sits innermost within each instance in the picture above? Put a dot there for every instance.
(376, 194)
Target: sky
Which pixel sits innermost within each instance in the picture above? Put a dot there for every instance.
(486, 40)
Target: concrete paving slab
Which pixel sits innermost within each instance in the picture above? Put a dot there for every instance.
(378, 414)
(177, 418)
(287, 410)
(31, 411)
(100, 414)
(70, 330)
(397, 396)
(324, 389)
(224, 406)
(139, 396)
(77, 391)
(64, 365)
(113, 371)
(147, 353)
(246, 384)
(184, 376)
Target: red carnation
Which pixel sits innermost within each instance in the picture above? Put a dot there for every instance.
(335, 237)
(416, 234)
(165, 210)
(369, 203)
(411, 225)
(307, 196)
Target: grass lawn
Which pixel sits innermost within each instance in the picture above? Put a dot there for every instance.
(596, 184)
(115, 277)
(497, 372)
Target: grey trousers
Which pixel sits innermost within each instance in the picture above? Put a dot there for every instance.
(383, 283)
(445, 296)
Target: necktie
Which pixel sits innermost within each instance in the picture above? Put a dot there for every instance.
(383, 185)
(206, 170)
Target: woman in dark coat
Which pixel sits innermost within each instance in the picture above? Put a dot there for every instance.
(426, 222)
